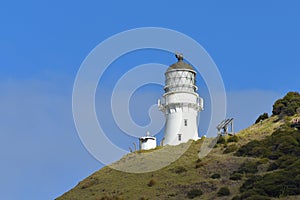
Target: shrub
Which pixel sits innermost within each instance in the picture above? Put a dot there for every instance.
(288, 105)
(151, 182)
(273, 166)
(248, 168)
(236, 176)
(249, 184)
(284, 141)
(231, 148)
(263, 161)
(280, 183)
(194, 193)
(214, 176)
(221, 140)
(247, 194)
(246, 150)
(223, 191)
(198, 163)
(258, 197)
(285, 161)
(253, 195)
(274, 155)
(233, 138)
(172, 195)
(262, 117)
(179, 170)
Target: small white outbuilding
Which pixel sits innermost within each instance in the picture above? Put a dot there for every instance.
(147, 142)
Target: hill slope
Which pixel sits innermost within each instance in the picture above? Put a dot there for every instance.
(260, 162)
(187, 175)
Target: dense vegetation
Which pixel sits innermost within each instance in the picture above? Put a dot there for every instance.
(282, 151)
(262, 117)
(287, 106)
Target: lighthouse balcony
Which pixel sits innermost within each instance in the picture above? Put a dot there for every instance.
(180, 88)
(179, 107)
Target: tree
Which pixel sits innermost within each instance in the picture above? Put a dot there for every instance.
(288, 105)
(262, 117)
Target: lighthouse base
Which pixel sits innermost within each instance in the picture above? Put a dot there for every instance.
(180, 127)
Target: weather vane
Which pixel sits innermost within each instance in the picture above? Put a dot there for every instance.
(179, 56)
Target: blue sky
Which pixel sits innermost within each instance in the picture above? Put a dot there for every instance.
(255, 45)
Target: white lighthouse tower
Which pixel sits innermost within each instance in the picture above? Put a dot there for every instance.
(180, 103)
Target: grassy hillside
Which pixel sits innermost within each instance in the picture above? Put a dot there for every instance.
(228, 166)
(258, 163)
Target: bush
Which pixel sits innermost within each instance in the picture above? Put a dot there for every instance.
(246, 150)
(285, 161)
(221, 140)
(247, 194)
(179, 170)
(231, 148)
(236, 198)
(288, 105)
(273, 166)
(233, 138)
(198, 165)
(258, 197)
(280, 183)
(262, 117)
(274, 155)
(250, 183)
(214, 176)
(236, 176)
(248, 168)
(283, 146)
(284, 141)
(263, 161)
(151, 182)
(253, 195)
(194, 193)
(223, 191)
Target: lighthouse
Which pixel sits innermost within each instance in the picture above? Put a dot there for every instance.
(180, 103)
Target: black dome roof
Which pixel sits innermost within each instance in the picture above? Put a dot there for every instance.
(180, 65)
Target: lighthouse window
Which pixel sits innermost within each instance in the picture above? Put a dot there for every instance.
(185, 122)
(179, 137)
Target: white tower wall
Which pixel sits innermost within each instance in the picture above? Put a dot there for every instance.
(180, 104)
(180, 127)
